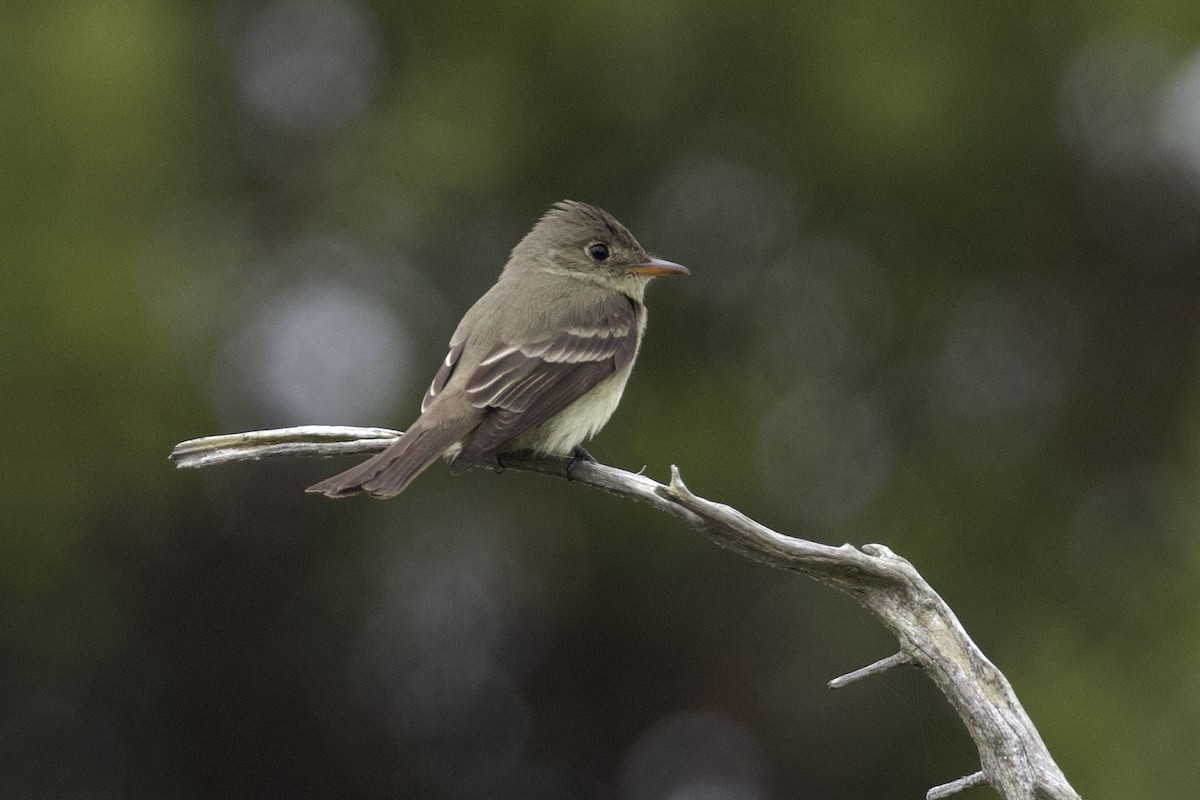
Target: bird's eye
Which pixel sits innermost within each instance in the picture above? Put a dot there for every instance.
(597, 251)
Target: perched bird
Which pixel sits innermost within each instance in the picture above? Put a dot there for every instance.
(538, 363)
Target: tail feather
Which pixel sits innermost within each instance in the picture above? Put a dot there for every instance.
(390, 472)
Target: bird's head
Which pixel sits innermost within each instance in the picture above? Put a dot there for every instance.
(586, 242)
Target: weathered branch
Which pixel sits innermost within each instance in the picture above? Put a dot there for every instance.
(1014, 760)
(882, 665)
(956, 786)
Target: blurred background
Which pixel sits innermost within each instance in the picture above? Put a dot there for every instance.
(945, 295)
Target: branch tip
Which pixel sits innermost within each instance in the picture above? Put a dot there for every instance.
(303, 440)
(954, 787)
(882, 665)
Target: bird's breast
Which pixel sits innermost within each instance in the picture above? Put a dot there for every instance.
(578, 422)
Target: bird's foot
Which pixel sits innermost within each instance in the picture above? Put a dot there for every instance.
(579, 456)
(500, 467)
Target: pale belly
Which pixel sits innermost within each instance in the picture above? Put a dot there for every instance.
(579, 421)
(560, 435)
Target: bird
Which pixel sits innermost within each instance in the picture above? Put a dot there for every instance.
(538, 363)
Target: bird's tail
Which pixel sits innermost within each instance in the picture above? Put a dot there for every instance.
(390, 472)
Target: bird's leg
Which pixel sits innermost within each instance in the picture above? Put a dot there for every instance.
(579, 456)
(494, 462)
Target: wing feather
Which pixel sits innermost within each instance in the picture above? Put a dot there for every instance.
(443, 375)
(523, 386)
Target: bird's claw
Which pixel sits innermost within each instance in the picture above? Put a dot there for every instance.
(579, 456)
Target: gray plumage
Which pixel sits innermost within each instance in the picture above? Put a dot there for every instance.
(538, 363)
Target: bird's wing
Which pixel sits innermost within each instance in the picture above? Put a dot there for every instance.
(443, 375)
(522, 386)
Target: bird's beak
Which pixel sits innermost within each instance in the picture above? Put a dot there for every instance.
(658, 266)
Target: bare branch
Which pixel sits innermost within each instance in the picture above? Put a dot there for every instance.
(306, 440)
(1015, 762)
(954, 787)
(882, 665)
